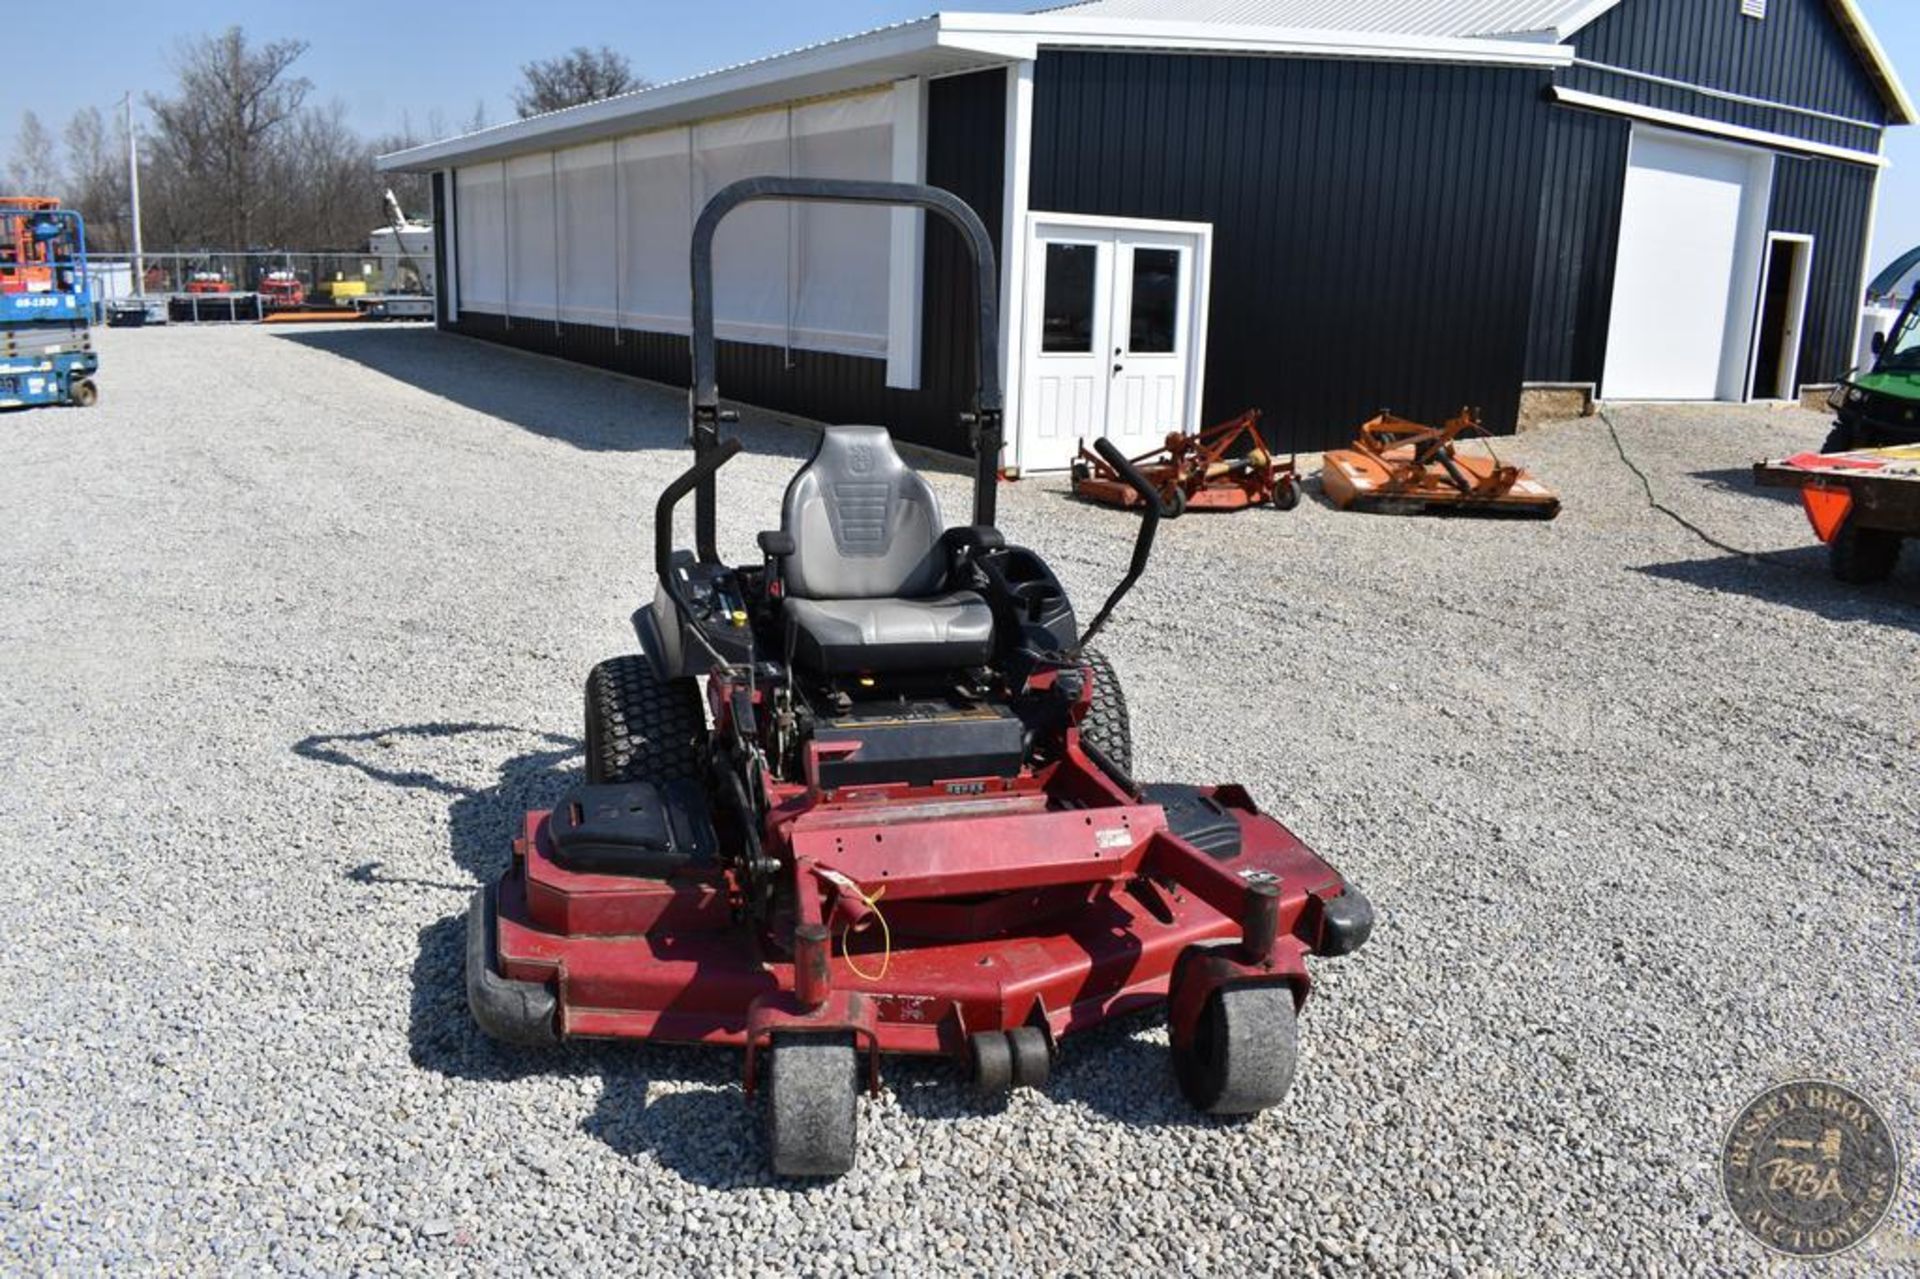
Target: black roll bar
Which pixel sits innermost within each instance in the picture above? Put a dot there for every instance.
(982, 416)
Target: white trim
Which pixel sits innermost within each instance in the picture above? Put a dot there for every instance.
(906, 253)
(1798, 289)
(1011, 34)
(1038, 221)
(1013, 252)
(1867, 273)
(945, 42)
(1715, 128)
(1750, 261)
(1727, 95)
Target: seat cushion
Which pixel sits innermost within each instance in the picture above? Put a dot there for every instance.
(854, 637)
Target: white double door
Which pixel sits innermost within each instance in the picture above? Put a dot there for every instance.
(1114, 336)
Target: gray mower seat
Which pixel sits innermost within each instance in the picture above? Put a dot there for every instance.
(865, 578)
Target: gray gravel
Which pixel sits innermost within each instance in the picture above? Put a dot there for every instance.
(294, 628)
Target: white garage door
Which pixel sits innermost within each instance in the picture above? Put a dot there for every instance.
(1692, 226)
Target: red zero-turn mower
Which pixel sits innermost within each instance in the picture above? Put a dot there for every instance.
(902, 821)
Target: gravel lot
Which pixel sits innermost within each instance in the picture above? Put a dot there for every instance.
(294, 628)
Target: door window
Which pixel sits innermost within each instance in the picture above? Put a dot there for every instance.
(1066, 323)
(1155, 322)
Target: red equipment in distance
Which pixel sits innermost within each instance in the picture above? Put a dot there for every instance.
(26, 264)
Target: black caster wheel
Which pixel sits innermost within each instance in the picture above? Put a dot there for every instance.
(812, 1104)
(1032, 1058)
(1175, 503)
(1242, 1055)
(1286, 495)
(992, 1057)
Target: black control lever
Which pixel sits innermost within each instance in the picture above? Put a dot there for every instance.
(1151, 511)
(702, 469)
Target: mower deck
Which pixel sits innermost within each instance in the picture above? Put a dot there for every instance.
(1224, 468)
(1403, 468)
(1110, 898)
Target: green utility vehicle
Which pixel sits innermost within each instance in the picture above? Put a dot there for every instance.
(1880, 405)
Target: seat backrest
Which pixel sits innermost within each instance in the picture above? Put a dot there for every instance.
(864, 524)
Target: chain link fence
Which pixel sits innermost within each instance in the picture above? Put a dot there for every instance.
(230, 285)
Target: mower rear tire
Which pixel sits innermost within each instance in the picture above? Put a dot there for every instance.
(1243, 1051)
(641, 728)
(1863, 555)
(1107, 726)
(813, 1121)
(1286, 494)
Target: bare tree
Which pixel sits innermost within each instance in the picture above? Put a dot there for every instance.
(97, 178)
(580, 75)
(34, 168)
(330, 169)
(216, 139)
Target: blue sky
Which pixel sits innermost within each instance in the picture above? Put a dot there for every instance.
(396, 62)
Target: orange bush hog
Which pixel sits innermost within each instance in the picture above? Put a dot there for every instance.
(1402, 467)
(1198, 472)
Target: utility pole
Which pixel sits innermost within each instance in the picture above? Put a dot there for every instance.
(133, 188)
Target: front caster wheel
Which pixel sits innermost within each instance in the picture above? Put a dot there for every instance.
(812, 1104)
(991, 1056)
(1286, 494)
(1032, 1057)
(1242, 1055)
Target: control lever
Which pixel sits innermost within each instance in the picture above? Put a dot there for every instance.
(1151, 511)
(702, 469)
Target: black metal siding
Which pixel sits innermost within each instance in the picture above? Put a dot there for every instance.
(1796, 55)
(966, 154)
(437, 185)
(1374, 223)
(966, 148)
(1831, 201)
(1586, 165)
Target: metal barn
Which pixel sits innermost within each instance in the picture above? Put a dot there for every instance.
(1314, 207)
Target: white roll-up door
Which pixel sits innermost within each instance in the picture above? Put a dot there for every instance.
(533, 241)
(1692, 232)
(599, 234)
(480, 211)
(585, 202)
